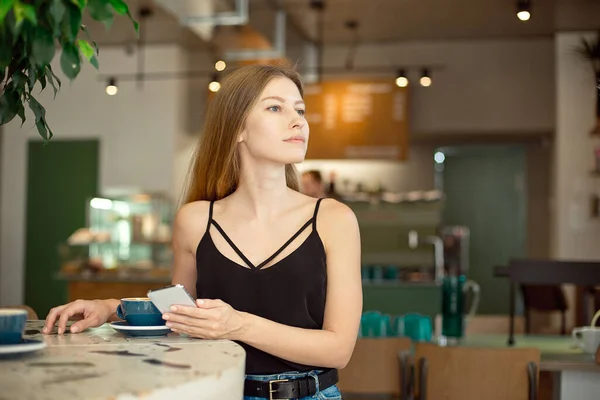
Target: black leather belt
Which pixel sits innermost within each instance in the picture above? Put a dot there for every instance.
(290, 388)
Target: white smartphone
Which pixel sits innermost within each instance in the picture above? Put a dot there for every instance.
(171, 295)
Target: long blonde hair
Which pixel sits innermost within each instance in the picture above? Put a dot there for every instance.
(215, 170)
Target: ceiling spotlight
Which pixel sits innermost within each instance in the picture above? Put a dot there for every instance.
(425, 80)
(220, 65)
(111, 87)
(401, 80)
(214, 85)
(524, 10)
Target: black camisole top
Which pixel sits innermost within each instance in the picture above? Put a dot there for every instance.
(291, 291)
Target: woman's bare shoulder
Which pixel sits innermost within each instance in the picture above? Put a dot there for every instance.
(335, 219)
(337, 226)
(332, 211)
(192, 217)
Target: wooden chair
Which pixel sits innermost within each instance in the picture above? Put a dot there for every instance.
(544, 298)
(550, 272)
(468, 373)
(379, 366)
(31, 314)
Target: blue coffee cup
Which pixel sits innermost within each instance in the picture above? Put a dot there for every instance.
(139, 311)
(12, 325)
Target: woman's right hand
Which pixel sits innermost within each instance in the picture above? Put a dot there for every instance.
(89, 313)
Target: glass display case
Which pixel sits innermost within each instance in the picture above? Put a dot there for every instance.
(131, 231)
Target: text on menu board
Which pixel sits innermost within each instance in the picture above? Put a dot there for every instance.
(357, 119)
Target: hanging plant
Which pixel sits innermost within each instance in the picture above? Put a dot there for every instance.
(590, 51)
(29, 32)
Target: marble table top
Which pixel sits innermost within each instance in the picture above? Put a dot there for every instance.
(557, 352)
(102, 363)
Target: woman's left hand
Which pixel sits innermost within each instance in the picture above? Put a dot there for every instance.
(212, 319)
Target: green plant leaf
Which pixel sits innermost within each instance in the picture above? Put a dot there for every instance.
(21, 113)
(70, 61)
(85, 48)
(71, 21)
(94, 62)
(50, 77)
(32, 76)
(42, 79)
(40, 118)
(19, 18)
(136, 25)
(5, 50)
(87, 34)
(24, 12)
(100, 11)
(5, 6)
(12, 27)
(56, 78)
(44, 130)
(57, 11)
(29, 13)
(19, 80)
(80, 3)
(42, 49)
(9, 106)
(120, 7)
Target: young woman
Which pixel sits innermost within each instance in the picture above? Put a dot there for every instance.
(272, 269)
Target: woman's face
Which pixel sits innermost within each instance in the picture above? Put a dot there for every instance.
(275, 128)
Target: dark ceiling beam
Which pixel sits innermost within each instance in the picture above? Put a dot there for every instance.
(277, 5)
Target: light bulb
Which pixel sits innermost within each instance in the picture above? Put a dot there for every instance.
(524, 15)
(214, 86)
(439, 157)
(111, 87)
(220, 65)
(402, 81)
(111, 90)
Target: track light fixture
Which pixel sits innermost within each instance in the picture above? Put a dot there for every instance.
(111, 87)
(425, 80)
(524, 10)
(401, 79)
(214, 84)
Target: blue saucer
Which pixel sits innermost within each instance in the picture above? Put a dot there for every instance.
(140, 331)
(26, 346)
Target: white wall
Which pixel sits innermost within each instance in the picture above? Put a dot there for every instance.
(483, 86)
(576, 235)
(136, 129)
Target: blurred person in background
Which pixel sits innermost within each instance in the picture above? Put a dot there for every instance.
(311, 184)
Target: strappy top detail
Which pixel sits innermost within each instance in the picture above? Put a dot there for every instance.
(211, 221)
(293, 293)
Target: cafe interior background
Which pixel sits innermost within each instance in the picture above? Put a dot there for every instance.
(461, 135)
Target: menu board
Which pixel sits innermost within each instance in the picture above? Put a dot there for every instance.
(357, 119)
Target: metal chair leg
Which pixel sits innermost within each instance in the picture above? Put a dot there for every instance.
(423, 367)
(511, 334)
(533, 384)
(404, 374)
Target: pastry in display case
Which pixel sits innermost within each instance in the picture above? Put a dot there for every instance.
(130, 232)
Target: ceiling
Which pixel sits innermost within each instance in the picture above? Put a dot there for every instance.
(378, 21)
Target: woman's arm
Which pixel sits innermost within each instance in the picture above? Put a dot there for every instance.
(187, 227)
(333, 345)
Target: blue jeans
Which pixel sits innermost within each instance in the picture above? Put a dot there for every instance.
(331, 393)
